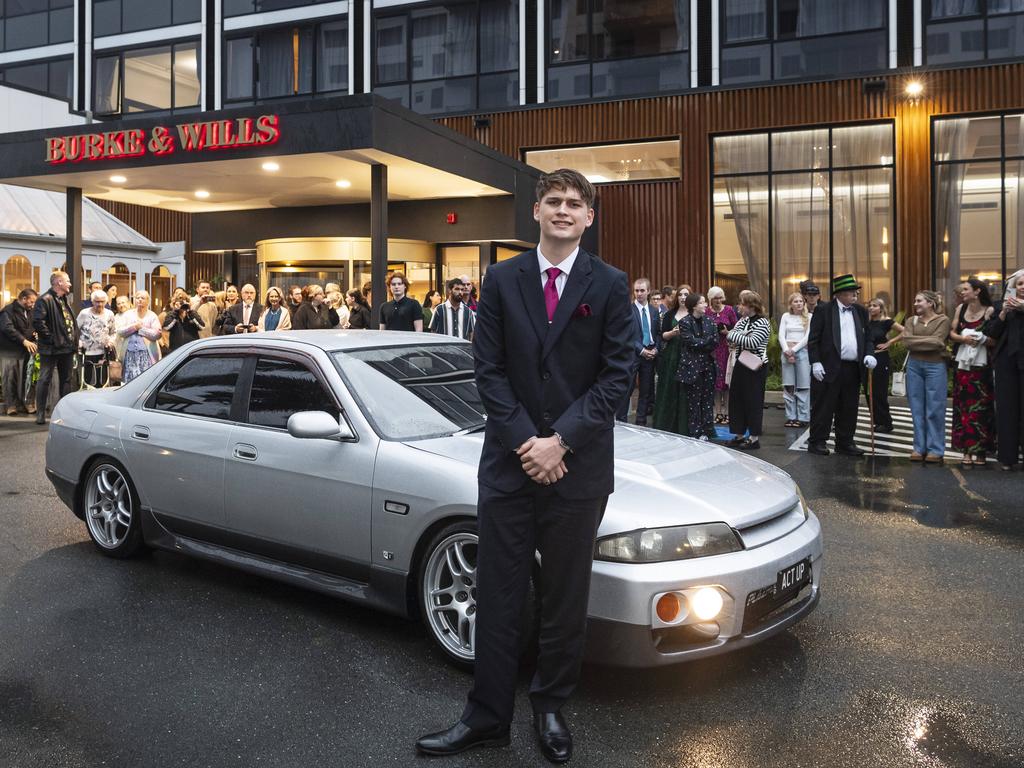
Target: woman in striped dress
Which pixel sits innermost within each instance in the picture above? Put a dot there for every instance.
(746, 392)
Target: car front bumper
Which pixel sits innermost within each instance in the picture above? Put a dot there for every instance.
(624, 631)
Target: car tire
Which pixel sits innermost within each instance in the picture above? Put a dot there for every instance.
(111, 510)
(447, 594)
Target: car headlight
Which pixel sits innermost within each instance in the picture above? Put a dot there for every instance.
(803, 502)
(660, 545)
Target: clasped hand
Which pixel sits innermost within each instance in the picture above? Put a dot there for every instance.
(541, 458)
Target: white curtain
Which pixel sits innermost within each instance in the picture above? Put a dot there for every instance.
(746, 20)
(499, 35)
(823, 17)
(951, 142)
(948, 8)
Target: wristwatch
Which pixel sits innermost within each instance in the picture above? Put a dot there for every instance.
(561, 442)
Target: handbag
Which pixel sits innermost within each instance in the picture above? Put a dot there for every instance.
(749, 360)
(899, 380)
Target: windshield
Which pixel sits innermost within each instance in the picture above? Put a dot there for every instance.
(412, 393)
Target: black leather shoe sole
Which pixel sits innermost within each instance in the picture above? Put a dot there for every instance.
(847, 451)
(818, 450)
(496, 741)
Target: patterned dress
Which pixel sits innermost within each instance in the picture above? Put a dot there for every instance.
(727, 317)
(974, 417)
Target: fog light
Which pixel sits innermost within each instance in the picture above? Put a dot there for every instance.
(668, 607)
(706, 603)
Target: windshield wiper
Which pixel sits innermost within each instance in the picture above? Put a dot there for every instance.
(470, 430)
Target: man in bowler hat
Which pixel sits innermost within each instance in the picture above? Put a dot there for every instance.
(838, 344)
(553, 359)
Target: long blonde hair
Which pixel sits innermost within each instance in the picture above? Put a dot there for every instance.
(805, 317)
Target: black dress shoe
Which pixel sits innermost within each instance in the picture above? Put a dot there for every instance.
(817, 448)
(40, 417)
(553, 735)
(850, 450)
(751, 445)
(461, 737)
(885, 428)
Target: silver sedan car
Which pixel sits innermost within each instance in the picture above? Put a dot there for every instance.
(345, 462)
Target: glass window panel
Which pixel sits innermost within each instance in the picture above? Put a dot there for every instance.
(798, 150)
(18, 7)
(17, 276)
(568, 83)
(107, 85)
(145, 14)
(1005, 6)
(967, 138)
(277, 5)
(106, 17)
(862, 145)
(943, 9)
(746, 20)
(391, 49)
(1014, 129)
(443, 41)
(968, 224)
(499, 36)
(640, 27)
(1006, 37)
(862, 230)
(332, 57)
(806, 18)
(62, 25)
(285, 59)
(444, 96)
(740, 207)
(641, 161)
(203, 386)
(746, 64)
(147, 79)
(238, 7)
(59, 4)
(399, 93)
(34, 77)
(1014, 196)
(955, 41)
(186, 75)
(185, 11)
(60, 84)
(800, 224)
(497, 91)
(747, 153)
(864, 52)
(27, 31)
(635, 76)
(281, 388)
(568, 31)
(239, 74)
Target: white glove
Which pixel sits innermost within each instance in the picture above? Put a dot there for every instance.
(870, 362)
(818, 371)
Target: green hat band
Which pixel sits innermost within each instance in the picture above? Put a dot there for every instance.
(844, 283)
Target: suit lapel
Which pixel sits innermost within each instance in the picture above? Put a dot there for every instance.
(576, 285)
(837, 330)
(533, 294)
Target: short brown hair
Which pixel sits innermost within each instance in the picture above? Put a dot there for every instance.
(754, 301)
(401, 276)
(563, 179)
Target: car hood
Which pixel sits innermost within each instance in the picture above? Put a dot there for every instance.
(662, 479)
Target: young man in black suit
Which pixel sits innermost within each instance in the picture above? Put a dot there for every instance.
(838, 344)
(553, 357)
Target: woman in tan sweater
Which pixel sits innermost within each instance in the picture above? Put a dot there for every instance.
(925, 336)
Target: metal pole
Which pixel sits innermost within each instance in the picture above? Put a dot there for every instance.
(378, 239)
(73, 245)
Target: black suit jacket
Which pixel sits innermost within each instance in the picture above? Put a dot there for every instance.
(638, 332)
(234, 314)
(569, 376)
(825, 338)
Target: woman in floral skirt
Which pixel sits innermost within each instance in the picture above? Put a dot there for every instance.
(138, 334)
(974, 418)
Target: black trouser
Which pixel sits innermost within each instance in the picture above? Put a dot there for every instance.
(643, 372)
(512, 527)
(746, 400)
(836, 400)
(878, 401)
(1009, 380)
(64, 363)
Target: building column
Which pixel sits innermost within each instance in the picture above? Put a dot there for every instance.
(73, 243)
(378, 239)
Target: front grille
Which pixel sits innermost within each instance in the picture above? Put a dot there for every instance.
(774, 528)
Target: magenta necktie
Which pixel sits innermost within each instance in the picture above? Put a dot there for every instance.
(551, 292)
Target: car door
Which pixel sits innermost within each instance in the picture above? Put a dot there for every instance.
(303, 501)
(176, 443)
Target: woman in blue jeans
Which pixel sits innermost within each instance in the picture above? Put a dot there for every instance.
(925, 336)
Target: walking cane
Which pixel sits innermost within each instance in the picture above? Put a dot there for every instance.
(871, 408)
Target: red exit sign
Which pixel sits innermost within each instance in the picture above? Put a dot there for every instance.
(452, 217)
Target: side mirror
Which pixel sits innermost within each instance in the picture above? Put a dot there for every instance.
(317, 425)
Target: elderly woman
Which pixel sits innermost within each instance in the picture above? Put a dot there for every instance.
(96, 336)
(724, 318)
(749, 341)
(1007, 328)
(276, 316)
(138, 332)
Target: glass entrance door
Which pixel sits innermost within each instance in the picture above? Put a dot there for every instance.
(320, 274)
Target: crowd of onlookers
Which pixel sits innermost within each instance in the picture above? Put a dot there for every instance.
(700, 361)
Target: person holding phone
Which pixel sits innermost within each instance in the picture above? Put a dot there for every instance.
(244, 317)
(1007, 328)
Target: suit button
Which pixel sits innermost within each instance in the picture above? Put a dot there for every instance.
(546, 375)
(547, 416)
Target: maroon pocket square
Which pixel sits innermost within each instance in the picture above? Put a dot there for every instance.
(583, 310)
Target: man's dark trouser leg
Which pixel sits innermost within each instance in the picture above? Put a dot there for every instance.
(1009, 409)
(846, 406)
(645, 374)
(824, 398)
(47, 363)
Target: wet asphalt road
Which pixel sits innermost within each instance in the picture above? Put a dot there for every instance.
(913, 657)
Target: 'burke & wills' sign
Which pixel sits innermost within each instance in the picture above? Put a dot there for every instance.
(186, 137)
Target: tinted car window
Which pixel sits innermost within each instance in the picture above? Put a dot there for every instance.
(203, 386)
(281, 388)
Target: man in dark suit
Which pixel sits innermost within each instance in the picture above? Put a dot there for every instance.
(646, 338)
(553, 355)
(838, 344)
(244, 317)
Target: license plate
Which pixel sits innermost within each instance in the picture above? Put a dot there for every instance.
(794, 577)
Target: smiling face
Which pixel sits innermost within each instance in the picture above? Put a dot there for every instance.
(922, 305)
(563, 216)
(274, 298)
(1020, 287)
(122, 303)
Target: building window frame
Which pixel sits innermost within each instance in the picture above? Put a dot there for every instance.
(38, 62)
(119, 54)
(174, 22)
(524, 153)
(52, 6)
(985, 15)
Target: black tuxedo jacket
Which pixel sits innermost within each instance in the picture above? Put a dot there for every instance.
(569, 376)
(825, 338)
(638, 329)
(235, 314)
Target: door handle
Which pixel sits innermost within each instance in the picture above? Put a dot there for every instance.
(245, 451)
(140, 433)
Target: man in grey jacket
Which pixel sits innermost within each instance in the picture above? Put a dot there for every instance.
(55, 325)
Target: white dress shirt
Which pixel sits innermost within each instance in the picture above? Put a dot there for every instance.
(246, 313)
(565, 266)
(652, 315)
(848, 333)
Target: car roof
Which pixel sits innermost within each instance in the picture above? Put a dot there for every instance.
(333, 340)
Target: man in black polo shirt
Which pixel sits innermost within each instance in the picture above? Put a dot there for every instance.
(401, 313)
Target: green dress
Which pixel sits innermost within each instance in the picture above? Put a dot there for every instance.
(670, 412)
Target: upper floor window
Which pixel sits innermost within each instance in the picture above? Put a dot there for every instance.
(602, 163)
(155, 79)
(448, 57)
(780, 39)
(32, 23)
(51, 78)
(974, 30)
(112, 17)
(602, 48)
(287, 61)
(244, 7)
